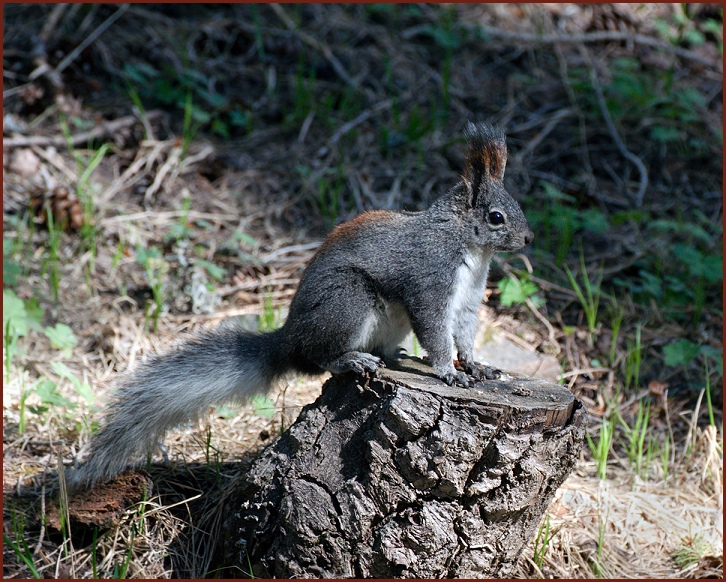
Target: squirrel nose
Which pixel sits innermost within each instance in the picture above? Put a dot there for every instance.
(528, 237)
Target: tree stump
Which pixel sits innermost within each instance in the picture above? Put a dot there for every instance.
(400, 475)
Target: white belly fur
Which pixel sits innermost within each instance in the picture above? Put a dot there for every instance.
(469, 283)
(384, 329)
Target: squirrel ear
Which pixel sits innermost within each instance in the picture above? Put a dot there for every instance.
(486, 157)
(470, 191)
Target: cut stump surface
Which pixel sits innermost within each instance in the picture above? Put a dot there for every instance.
(400, 475)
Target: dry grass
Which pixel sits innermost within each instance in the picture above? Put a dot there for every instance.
(359, 107)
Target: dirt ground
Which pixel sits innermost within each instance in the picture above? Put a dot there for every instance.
(169, 166)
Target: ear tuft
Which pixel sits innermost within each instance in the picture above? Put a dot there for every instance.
(487, 155)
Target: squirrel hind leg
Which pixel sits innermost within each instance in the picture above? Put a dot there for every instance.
(354, 362)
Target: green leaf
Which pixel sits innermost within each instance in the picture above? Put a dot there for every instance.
(214, 100)
(38, 409)
(238, 118)
(177, 231)
(200, 115)
(594, 221)
(680, 353)
(225, 411)
(263, 406)
(84, 390)
(47, 391)
(220, 128)
(665, 134)
(695, 37)
(713, 354)
(143, 255)
(244, 238)
(515, 291)
(61, 337)
(81, 387)
(14, 314)
(140, 72)
(212, 270)
(713, 268)
(34, 314)
(713, 26)
(11, 272)
(554, 193)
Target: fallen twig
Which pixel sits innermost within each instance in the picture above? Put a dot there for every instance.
(551, 336)
(590, 37)
(551, 124)
(51, 24)
(638, 197)
(346, 127)
(314, 43)
(70, 57)
(104, 129)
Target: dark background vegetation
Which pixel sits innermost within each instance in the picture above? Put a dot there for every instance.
(315, 113)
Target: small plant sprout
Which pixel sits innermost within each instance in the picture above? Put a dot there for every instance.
(617, 312)
(180, 230)
(693, 548)
(590, 299)
(94, 554)
(212, 455)
(19, 545)
(416, 347)
(270, 317)
(155, 267)
(263, 406)
(601, 450)
(601, 530)
(194, 118)
(54, 235)
(89, 233)
(707, 375)
(120, 571)
(665, 457)
(542, 541)
(19, 317)
(633, 359)
(636, 439)
(329, 197)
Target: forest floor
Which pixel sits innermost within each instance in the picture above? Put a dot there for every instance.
(170, 166)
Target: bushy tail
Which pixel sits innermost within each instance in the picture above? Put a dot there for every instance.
(226, 364)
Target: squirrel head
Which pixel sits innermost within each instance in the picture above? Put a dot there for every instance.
(496, 219)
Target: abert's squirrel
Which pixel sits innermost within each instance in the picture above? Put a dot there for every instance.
(374, 280)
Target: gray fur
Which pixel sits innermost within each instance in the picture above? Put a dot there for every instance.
(228, 364)
(376, 278)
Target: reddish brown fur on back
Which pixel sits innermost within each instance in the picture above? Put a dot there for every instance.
(350, 228)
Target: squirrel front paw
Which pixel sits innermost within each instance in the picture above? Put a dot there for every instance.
(452, 378)
(479, 371)
(359, 362)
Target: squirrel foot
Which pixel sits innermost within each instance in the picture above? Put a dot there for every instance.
(359, 362)
(479, 371)
(397, 355)
(457, 378)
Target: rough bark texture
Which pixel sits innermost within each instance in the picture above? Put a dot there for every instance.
(400, 475)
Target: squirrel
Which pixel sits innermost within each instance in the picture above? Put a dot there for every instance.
(374, 279)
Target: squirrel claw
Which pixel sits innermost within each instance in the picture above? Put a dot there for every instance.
(480, 371)
(457, 377)
(358, 362)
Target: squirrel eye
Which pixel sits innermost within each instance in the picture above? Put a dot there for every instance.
(496, 218)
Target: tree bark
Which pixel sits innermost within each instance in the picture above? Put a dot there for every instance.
(400, 475)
